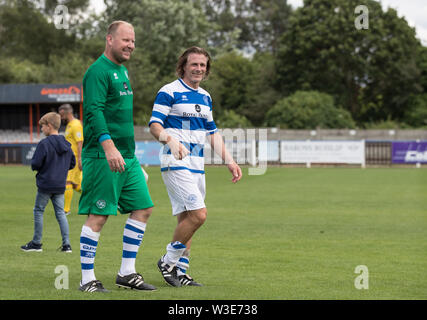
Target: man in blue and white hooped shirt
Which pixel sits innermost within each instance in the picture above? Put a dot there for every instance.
(182, 120)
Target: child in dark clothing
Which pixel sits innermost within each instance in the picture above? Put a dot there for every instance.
(52, 159)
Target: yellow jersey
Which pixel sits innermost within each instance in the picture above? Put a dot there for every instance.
(74, 134)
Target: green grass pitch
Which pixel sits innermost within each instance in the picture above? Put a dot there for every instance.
(292, 233)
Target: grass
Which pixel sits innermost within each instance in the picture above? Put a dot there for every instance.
(292, 233)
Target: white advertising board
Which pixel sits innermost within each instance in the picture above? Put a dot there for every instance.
(349, 152)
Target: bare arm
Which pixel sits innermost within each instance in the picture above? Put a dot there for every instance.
(218, 146)
(79, 154)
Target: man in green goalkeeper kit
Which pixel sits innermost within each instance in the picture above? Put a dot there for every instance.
(112, 176)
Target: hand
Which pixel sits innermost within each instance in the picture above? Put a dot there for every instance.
(177, 148)
(235, 171)
(114, 157)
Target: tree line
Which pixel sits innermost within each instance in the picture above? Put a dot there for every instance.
(273, 65)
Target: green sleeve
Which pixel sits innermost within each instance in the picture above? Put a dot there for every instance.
(95, 90)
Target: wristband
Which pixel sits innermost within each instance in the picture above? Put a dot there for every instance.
(104, 137)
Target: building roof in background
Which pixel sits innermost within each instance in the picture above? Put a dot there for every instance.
(40, 93)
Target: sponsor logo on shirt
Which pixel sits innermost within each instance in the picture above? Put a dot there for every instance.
(125, 93)
(195, 115)
(199, 114)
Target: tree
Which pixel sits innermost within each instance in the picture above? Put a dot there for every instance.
(247, 25)
(422, 66)
(67, 68)
(26, 34)
(229, 29)
(13, 70)
(269, 20)
(262, 93)
(229, 82)
(371, 72)
(243, 85)
(145, 81)
(163, 28)
(230, 119)
(308, 110)
(416, 113)
(74, 7)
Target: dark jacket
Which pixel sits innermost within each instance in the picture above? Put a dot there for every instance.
(52, 159)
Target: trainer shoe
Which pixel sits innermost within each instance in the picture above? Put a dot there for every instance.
(186, 280)
(65, 248)
(31, 246)
(133, 281)
(93, 286)
(168, 273)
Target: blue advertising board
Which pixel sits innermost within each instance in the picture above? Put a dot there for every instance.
(409, 152)
(147, 152)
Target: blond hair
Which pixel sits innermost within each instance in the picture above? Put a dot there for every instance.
(52, 118)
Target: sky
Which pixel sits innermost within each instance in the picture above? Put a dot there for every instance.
(414, 11)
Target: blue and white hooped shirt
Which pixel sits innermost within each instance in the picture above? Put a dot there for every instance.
(186, 115)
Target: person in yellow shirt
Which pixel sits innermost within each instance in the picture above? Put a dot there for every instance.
(74, 135)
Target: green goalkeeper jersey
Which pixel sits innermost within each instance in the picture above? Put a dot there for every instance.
(107, 108)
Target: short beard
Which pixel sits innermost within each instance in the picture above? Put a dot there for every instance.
(118, 57)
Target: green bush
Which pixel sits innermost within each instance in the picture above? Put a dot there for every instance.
(308, 110)
(416, 116)
(231, 119)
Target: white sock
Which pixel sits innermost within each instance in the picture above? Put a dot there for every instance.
(183, 263)
(132, 238)
(174, 251)
(88, 244)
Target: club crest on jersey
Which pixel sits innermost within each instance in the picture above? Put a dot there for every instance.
(101, 204)
(206, 100)
(197, 107)
(125, 85)
(192, 198)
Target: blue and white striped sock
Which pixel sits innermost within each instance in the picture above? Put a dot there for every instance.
(174, 251)
(183, 263)
(88, 244)
(132, 238)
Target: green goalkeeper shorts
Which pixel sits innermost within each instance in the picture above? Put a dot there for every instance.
(104, 192)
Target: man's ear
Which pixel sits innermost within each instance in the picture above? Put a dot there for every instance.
(109, 38)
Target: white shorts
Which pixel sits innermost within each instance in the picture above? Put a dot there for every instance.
(186, 190)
